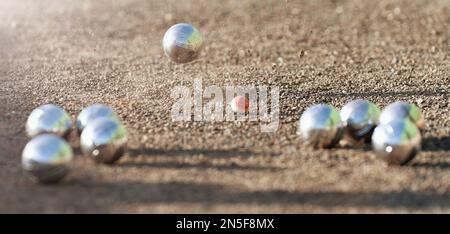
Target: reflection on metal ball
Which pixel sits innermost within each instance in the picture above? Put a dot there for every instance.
(48, 118)
(182, 43)
(47, 158)
(104, 140)
(92, 112)
(360, 118)
(321, 126)
(397, 142)
(400, 110)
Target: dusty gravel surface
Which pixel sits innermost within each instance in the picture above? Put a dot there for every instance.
(75, 53)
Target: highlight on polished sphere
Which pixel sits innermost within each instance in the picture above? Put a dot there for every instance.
(104, 140)
(401, 110)
(47, 158)
(360, 118)
(48, 118)
(182, 43)
(93, 112)
(397, 142)
(320, 126)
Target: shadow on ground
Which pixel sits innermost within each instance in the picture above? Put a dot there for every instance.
(436, 144)
(148, 152)
(136, 193)
(391, 93)
(328, 95)
(194, 152)
(440, 165)
(177, 165)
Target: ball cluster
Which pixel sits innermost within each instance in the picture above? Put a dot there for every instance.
(395, 132)
(48, 156)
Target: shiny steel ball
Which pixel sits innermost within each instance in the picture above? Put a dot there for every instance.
(397, 142)
(104, 140)
(48, 118)
(321, 126)
(93, 112)
(360, 118)
(401, 110)
(182, 43)
(47, 158)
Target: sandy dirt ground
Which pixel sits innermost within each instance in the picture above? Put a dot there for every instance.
(76, 53)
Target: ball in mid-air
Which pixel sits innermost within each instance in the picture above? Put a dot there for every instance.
(402, 110)
(320, 126)
(360, 118)
(92, 112)
(47, 158)
(182, 43)
(104, 140)
(48, 118)
(397, 142)
(240, 104)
